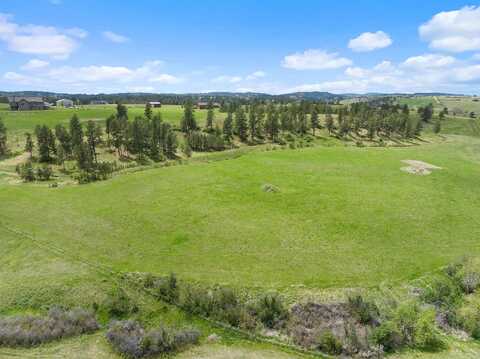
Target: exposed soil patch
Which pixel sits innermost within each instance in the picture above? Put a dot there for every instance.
(15, 160)
(419, 167)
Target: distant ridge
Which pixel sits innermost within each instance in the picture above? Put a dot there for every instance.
(131, 97)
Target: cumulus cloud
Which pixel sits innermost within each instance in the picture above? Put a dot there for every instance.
(39, 40)
(116, 38)
(428, 61)
(369, 41)
(97, 77)
(315, 59)
(455, 31)
(256, 75)
(356, 72)
(35, 64)
(166, 79)
(227, 79)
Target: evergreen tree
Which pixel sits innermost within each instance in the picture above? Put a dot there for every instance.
(64, 138)
(61, 156)
(76, 131)
(92, 139)
(148, 111)
(188, 123)
(252, 123)
(314, 122)
(272, 126)
(329, 122)
(228, 127)
(84, 157)
(156, 144)
(241, 124)
(210, 119)
(3, 139)
(44, 143)
(29, 144)
(122, 111)
(171, 144)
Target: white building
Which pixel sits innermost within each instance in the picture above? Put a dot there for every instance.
(65, 103)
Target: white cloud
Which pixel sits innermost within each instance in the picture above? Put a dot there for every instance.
(384, 66)
(166, 79)
(95, 77)
(314, 59)
(341, 86)
(369, 41)
(455, 31)
(356, 72)
(428, 61)
(227, 79)
(35, 64)
(116, 38)
(256, 75)
(38, 40)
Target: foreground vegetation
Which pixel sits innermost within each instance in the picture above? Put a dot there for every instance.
(258, 236)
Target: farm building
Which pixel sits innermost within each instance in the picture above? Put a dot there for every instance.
(98, 102)
(205, 105)
(27, 103)
(155, 104)
(65, 103)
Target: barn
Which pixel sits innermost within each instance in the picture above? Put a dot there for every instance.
(155, 104)
(27, 103)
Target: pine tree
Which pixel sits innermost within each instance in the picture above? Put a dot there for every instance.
(76, 131)
(148, 111)
(92, 139)
(241, 124)
(314, 122)
(272, 125)
(64, 138)
(171, 144)
(210, 119)
(29, 144)
(228, 127)
(188, 123)
(252, 123)
(3, 139)
(329, 122)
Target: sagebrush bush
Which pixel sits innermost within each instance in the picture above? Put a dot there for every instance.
(118, 304)
(27, 331)
(271, 311)
(130, 339)
(366, 312)
(329, 344)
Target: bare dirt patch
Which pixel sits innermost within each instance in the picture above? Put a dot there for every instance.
(419, 167)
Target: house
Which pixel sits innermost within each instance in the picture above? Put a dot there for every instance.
(155, 104)
(98, 102)
(65, 103)
(27, 103)
(205, 105)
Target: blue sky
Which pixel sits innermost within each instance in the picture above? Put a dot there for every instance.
(269, 46)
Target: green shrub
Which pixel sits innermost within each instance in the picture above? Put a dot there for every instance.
(167, 288)
(366, 312)
(329, 344)
(387, 335)
(118, 304)
(427, 336)
(271, 311)
(442, 290)
(44, 173)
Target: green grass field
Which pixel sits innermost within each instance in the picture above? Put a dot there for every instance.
(19, 122)
(344, 217)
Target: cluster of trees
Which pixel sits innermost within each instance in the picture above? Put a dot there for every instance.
(257, 122)
(3, 139)
(144, 137)
(62, 144)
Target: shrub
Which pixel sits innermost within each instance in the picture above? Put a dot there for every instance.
(26, 331)
(387, 335)
(329, 344)
(427, 336)
(166, 288)
(442, 290)
(366, 312)
(44, 173)
(271, 310)
(131, 340)
(26, 172)
(119, 304)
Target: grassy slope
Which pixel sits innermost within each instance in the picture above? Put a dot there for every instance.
(344, 217)
(19, 122)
